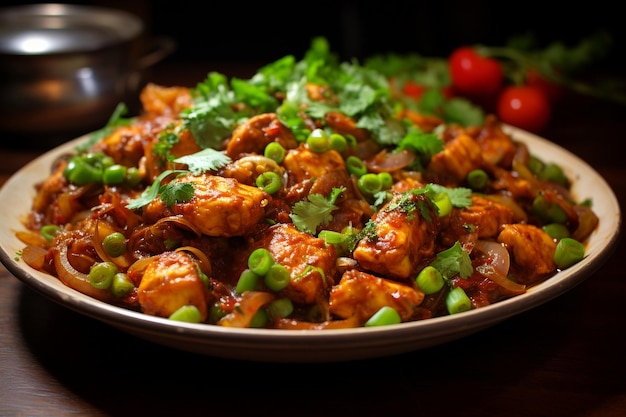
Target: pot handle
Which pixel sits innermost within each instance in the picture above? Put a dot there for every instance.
(159, 48)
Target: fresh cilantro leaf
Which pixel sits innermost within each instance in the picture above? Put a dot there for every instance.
(459, 196)
(425, 145)
(308, 215)
(151, 192)
(206, 160)
(176, 192)
(452, 261)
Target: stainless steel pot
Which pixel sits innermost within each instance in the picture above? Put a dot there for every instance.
(64, 68)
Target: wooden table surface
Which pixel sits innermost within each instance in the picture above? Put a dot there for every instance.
(565, 358)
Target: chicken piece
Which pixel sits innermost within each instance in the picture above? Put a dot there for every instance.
(253, 135)
(220, 206)
(362, 294)
(303, 164)
(308, 258)
(170, 282)
(484, 217)
(401, 237)
(125, 145)
(318, 173)
(159, 100)
(497, 147)
(460, 156)
(532, 251)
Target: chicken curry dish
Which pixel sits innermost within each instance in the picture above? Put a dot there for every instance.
(310, 196)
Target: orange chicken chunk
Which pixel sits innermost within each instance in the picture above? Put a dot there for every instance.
(170, 282)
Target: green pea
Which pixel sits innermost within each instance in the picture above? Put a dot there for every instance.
(260, 261)
(386, 180)
(338, 142)
(277, 277)
(274, 151)
(568, 252)
(318, 141)
(269, 181)
(457, 301)
(79, 172)
(282, 307)
(248, 281)
(133, 177)
(121, 285)
(369, 183)
(477, 179)
(355, 166)
(384, 316)
(553, 172)
(101, 275)
(114, 174)
(556, 230)
(187, 313)
(430, 280)
(114, 244)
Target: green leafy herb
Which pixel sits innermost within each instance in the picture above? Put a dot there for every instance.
(459, 196)
(151, 192)
(176, 193)
(203, 161)
(199, 162)
(317, 211)
(425, 145)
(452, 261)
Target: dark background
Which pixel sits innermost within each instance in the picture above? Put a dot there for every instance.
(263, 31)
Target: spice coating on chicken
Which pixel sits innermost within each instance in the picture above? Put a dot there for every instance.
(460, 156)
(532, 251)
(481, 220)
(170, 282)
(362, 294)
(403, 237)
(253, 135)
(220, 206)
(310, 261)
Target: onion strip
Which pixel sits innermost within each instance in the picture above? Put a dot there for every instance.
(203, 260)
(75, 279)
(497, 268)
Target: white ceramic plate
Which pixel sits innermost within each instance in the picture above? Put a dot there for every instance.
(313, 345)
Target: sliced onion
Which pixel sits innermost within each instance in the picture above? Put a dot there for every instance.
(181, 221)
(385, 161)
(122, 262)
(76, 279)
(496, 267)
(34, 256)
(140, 265)
(203, 260)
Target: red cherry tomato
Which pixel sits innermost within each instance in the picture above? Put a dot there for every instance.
(524, 106)
(474, 75)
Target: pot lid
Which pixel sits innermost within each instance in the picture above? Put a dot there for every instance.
(40, 29)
